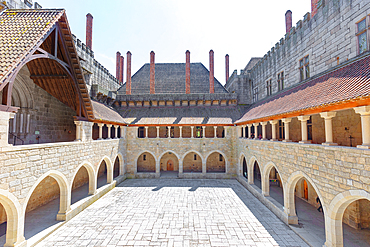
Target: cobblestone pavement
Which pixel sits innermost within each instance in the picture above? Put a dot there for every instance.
(175, 212)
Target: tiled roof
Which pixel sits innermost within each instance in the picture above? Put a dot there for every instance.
(347, 83)
(105, 113)
(170, 78)
(20, 31)
(197, 115)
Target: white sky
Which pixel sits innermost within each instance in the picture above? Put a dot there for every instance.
(240, 28)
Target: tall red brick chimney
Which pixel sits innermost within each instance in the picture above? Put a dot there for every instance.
(211, 72)
(128, 73)
(118, 65)
(313, 8)
(227, 66)
(152, 73)
(121, 69)
(288, 21)
(89, 24)
(187, 72)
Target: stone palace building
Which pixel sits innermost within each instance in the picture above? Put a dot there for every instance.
(295, 122)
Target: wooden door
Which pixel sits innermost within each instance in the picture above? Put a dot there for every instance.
(170, 165)
(305, 190)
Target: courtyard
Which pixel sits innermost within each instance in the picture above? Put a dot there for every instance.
(175, 212)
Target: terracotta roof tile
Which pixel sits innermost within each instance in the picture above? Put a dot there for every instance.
(347, 83)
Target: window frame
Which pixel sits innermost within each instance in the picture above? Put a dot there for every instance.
(360, 33)
(269, 87)
(280, 81)
(255, 95)
(304, 68)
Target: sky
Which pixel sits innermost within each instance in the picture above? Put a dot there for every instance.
(240, 28)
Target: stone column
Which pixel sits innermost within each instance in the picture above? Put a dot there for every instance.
(100, 131)
(169, 132)
(192, 131)
(328, 127)
(264, 130)
(273, 129)
(304, 120)
(180, 127)
(204, 131)
(122, 132)
(4, 127)
(116, 131)
(78, 130)
(146, 131)
(215, 132)
(21, 121)
(365, 125)
(256, 130)
(225, 131)
(109, 132)
(249, 131)
(286, 122)
(241, 131)
(157, 131)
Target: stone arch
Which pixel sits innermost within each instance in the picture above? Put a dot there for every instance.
(223, 164)
(289, 203)
(121, 164)
(91, 172)
(250, 167)
(65, 192)
(241, 169)
(265, 178)
(15, 219)
(109, 165)
(334, 216)
(141, 169)
(172, 152)
(201, 160)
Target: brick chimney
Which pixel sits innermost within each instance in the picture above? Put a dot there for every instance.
(187, 72)
(288, 21)
(128, 73)
(211, 72)
(227, 66)
(89, 23)
(121, 69)
(313, 8)
(152, 73)
(118, 65)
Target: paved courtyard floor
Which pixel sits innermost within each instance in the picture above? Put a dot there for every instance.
(175, 212)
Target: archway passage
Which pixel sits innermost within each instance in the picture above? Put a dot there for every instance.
(169, 162)
(245, 168)
(216, 163)
(102, 175)
(356, 224)
(116, 168)
(257, 174)
(80, 186)
(146, 163)
(275, 186)
(3, 225)
(192, 163)
(42, 207)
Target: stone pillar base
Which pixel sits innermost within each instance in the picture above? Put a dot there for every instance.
(264, 139)
(20, 244)
(287, 140)
(329, 144)
(293, 220)
(305, 142)
(274, 140)
(64, 216)
(363, 146)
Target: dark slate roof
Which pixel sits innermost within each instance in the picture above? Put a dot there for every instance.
(105, 113)
(170, 78)
(197, 115)
(351, 82)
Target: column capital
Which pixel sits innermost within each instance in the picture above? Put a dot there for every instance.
(256, 124)
(263, 123)
(180, 127)
(273, 122)
(116, 126)
(328, 115)
(249, 125)
(78, 123)
(203, 127)
(100, 124)
(363, 110)
(146, 127)
(215, 127)
(303, 118)
(109, 125)
(286, 120)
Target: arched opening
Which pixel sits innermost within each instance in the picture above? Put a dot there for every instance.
(356, 223)
(169, 163)
(275, 185)
(116, 167)
(80, 185)
(245, 168)
(146, 163)
(257, 175)
(102, 175)
(42, 207)
(11, 232)
(3, 225)
(216, 163)
(192, 163)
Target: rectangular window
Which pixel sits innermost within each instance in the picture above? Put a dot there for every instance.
(304, 68)
(309, 128)
(280, 81)
(140, 133)
(281, 130)
(255, 94)
(269, 87)
(362, 36)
